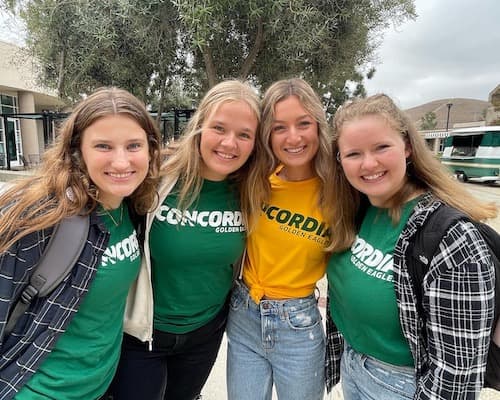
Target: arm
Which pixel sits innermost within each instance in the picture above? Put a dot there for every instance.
(459, 303)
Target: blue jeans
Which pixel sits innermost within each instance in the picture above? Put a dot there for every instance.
(276, 341)
(366, 378)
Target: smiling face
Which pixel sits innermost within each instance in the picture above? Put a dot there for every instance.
(115, 152)
(294, 138)
(227, 139)
(373, 157)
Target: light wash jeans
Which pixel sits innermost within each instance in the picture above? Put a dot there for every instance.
(366, 378)
(276, 341)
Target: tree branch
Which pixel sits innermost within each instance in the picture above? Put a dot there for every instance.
(254, 51)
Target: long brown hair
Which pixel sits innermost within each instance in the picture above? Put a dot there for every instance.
(61, 186)
(424, 173)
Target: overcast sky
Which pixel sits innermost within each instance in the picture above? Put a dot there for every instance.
(452, 49)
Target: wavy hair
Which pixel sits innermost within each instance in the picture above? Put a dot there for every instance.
(311, 102)
(61, 186)
(424, 173)
(183, 158)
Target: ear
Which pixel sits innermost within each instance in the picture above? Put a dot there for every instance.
(408, 149)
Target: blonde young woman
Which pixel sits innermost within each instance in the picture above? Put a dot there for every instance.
(105, 164)
(177, 311)
(386, 178)
(275, 335)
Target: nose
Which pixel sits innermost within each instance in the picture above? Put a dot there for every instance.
(121, 159)
(229, 140)
(293, 136)
(369, 161)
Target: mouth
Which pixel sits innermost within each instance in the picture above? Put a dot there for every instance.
(116, 175)
(225, 156)
(373, 177)
(295, 150)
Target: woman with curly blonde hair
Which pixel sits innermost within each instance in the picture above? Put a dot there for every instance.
(105, 165)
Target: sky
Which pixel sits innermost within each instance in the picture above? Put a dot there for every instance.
(452, 49)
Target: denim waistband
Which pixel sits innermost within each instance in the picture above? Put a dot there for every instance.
(354, 354)
(268, 306)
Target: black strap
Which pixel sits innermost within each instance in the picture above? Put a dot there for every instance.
(425, 244)
(60, 255)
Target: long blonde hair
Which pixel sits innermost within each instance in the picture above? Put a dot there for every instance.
(61, 186)
(424, 173)
(311, 102)
(183, 158)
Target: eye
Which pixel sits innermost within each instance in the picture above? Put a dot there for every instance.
(278, 128)
(382, 147)
(135, 146)
(305, 124)
(218, 128)
(351, 155)
(102, 146)
(245, 135)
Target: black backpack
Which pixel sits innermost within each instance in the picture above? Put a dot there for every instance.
(419, 254)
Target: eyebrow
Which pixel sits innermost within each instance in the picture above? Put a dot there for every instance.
(296, 119)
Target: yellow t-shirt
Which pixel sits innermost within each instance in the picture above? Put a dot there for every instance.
(285, 256)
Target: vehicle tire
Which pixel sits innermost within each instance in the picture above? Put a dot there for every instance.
(461, 176)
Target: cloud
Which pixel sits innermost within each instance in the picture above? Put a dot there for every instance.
(450, 50)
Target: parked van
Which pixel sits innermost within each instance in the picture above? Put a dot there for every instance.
(473, 154)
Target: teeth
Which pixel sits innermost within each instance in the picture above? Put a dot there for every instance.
(227, 156)
(124, 175)
(295, 149)
(371, 177)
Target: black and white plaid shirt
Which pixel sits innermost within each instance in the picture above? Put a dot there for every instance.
(37, 331)
(458, 302)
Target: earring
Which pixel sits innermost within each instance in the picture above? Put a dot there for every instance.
(338, 156)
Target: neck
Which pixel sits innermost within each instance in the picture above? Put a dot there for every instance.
(295, 175)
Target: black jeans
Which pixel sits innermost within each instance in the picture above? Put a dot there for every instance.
(176, 368)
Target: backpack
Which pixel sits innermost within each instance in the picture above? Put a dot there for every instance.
(59, 257)
(419, 254)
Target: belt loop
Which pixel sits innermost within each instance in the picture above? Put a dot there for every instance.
(317, 293)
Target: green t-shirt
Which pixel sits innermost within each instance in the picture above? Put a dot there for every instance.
(85, 357)
(191, 257)
(361, 288)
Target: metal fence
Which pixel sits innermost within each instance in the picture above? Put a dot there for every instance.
(171, 124)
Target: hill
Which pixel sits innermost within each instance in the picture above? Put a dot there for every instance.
(462, 110)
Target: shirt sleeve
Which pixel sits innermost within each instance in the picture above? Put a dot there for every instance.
(334, 349)
(459, 303)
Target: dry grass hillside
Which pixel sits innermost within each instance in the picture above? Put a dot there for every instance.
(463, 110)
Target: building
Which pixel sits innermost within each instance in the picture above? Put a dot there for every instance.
(449, 114)
(21, 131)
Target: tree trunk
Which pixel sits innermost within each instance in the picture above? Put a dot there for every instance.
(209, 66)
(254, 51)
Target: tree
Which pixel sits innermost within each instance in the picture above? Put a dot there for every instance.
(151, 47)
(325, 41)
(428, 121)
(82, 45)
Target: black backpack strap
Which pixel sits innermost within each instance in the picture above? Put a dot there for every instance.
(425, 244)
(60, 255)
